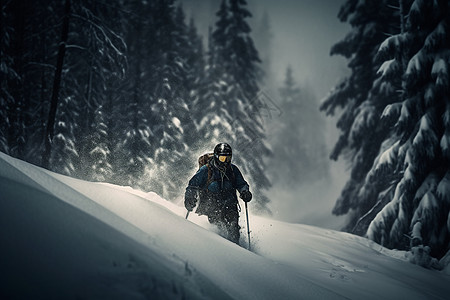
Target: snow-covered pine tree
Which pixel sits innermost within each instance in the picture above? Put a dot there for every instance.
(298, 150)
(239, 61)
(211, 111)
(403, 118)
(213, 121)
(417, 149)
(169, 115)
(361, 132)
(134, 149)
(89, 44)
(188, 47)
(97, 65)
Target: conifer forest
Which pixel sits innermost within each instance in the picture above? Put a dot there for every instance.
(133, 92)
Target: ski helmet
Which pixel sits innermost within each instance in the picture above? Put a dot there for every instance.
(222, 153)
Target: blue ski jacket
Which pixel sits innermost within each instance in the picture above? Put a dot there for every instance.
(222, 185)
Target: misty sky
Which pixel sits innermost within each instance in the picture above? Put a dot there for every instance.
(303, 33)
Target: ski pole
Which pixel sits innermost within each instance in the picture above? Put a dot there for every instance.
(248, 226)
(187, 215)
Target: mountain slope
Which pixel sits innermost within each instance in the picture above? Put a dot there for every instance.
(71, 238)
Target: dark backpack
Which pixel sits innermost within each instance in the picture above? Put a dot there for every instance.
(204, 160)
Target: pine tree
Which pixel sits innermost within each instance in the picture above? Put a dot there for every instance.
(361, 133)
(417, 149)
(97, 66)
(398, 130)
(238, 61)
(298, 150)
(211, 110)
(133, 151)
(169, 112)
(95, 48)
(213, 121)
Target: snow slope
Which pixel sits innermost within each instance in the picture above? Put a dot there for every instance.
(67, 238)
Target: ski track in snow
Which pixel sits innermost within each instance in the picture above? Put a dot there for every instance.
(104, 241)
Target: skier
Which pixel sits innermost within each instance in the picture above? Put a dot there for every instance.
(215, 185)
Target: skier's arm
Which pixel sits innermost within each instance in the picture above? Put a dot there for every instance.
(196, 182)
(241, 184)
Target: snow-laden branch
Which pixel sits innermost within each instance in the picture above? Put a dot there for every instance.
(105, 35)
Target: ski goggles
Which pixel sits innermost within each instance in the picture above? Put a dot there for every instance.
(225, 158)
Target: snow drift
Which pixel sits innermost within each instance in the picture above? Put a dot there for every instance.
(67, 238)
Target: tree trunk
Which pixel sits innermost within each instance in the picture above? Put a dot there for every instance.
(56, 87)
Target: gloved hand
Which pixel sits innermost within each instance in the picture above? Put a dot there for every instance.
(246, 196)
(190, 199)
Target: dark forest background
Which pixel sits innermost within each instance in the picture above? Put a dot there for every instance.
(128, 92)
